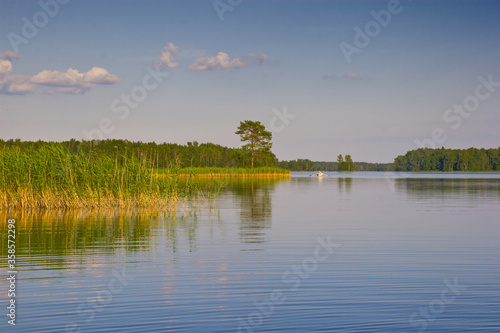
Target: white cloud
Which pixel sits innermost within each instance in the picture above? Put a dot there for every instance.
(99, 75)
(5, 67)
(9, 55)
(74, 82)
(167, 56)
(6, 62)
(70, 78)
(13, 84)
(17, 85)
(70, 82)
(223, 61)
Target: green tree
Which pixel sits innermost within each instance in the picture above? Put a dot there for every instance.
(340, 163)
(349, 164)
(258, 138)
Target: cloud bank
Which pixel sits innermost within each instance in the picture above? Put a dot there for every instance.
(69, 82)
(73, 81)
(223, 61)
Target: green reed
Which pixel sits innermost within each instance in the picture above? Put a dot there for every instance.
(50, 175)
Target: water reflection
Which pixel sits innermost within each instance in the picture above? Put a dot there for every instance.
(254, 199)
(395, 253)
(56, 234)
(52, 236)
(429, 188)
(344, 184)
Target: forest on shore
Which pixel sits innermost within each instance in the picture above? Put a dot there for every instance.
(423, 159)
(165, 155)
(308, 165)
(427, 159)
(193, 155)
(206, 155)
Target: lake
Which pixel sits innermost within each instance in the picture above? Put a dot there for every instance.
(350, 252)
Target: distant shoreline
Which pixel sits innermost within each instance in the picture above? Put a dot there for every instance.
(229, 175)
(231, 172)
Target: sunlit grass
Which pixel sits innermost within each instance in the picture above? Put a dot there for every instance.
(52, 177)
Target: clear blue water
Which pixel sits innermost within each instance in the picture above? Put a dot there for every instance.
(361, 252)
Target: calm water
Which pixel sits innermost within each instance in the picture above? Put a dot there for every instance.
(363, 252)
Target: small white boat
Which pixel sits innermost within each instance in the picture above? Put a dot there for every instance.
(321, 174)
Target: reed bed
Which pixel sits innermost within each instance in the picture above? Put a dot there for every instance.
(51, 176)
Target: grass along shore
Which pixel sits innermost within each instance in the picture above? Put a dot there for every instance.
(53, 177)
(233, 172)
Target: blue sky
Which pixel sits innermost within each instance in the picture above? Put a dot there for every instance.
(274, 57)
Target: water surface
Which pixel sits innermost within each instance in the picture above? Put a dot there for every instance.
(401, 253)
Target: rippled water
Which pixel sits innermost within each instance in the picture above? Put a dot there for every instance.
(362, 252)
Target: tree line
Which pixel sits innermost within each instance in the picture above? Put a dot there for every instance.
(308, 165)
(194, 154)
(427, 159)
(164, 155)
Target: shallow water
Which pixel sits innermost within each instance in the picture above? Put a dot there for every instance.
(360, 252)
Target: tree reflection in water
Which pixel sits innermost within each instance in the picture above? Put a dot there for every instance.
(344, 184)
(254, 199)
(442, 188)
